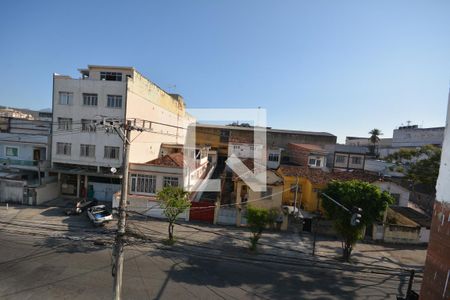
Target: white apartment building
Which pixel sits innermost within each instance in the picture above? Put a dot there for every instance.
(84, 153)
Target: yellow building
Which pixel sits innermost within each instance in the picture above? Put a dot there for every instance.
(310, 182)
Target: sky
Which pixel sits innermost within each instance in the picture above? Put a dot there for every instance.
(343, 67)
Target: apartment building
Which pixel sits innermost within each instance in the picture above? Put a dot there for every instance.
(85, 154)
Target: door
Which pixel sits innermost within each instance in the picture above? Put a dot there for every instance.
(36, 154)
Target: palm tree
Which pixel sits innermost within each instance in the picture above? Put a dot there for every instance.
(374, 139)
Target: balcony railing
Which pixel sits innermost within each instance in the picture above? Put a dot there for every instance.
(22, 162)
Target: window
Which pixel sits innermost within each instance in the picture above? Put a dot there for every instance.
(64, 124)
(63, 148)
(274, 157)
(267, 194)
(111, 152)
(340, 159)
(65, 98)
(90, 99)
(252, 148)
(111, 76)
(143, 183)
(236, 147)
(170, 181)
(12, 151)
(356, 160)
(114, 101)
(314, 162)
(224, 135)
(87, 150)
(87, 125)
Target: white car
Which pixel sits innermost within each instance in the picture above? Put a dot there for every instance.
(99, 214)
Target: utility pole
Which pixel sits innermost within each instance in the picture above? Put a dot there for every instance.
(117, 270)
(295, 200)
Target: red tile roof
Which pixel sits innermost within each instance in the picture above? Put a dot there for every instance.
(320, 177)
(169, 160)
(309, 147)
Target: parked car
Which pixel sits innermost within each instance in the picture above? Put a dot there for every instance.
(80, 206)
(99, 214)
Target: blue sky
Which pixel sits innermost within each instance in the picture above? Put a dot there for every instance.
(339, 66)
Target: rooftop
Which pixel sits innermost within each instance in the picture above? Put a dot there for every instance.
(309, 147)
(169, 160)
(269, 130)
(414, 215)
(321, 177)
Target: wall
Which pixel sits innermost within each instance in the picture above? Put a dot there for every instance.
(147, 101)
(12, 191)
(307, 196)
(393, 188)
(145, 205)
(104, 191)
(436, 276)
(47, 192)
(78, 111)
(416, 137)
(401, 234)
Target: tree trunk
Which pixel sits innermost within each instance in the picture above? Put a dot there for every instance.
(170, 231)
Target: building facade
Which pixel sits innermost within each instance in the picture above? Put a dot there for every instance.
(435, 284)
(83, 151)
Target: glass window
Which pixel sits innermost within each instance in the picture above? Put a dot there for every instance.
(87, 150)
(111, 76)
(64, 124)
(12, 151)
(63, 148)
(88, 125)
(90, 99)
(145, 184)
(356, 160)
(312, 161)
(340, 158)
(170, 181)
(114, 101)
(274, 157)
(111, 152)
(65, 98)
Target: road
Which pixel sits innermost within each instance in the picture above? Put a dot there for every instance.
(57, 257)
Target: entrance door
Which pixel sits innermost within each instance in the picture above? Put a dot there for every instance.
(36, 154)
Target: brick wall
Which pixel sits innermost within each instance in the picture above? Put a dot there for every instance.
(437, 266)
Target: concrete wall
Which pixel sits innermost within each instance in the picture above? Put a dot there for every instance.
(12, 191)
(401, 234)
(393, 188)
(47, 192)
(146, 206)
(416, 137)
(147, 101)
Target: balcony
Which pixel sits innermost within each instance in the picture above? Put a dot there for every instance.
(24, 164)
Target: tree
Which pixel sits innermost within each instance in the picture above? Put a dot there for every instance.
(374, 139)
(421, 166)
(258, 219)
(354, 193)
(174, 201)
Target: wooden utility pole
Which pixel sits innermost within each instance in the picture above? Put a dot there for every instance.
(118, 255)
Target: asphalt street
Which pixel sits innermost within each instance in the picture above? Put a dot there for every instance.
(72, 260)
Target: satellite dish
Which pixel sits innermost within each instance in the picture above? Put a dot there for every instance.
(113, 170)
